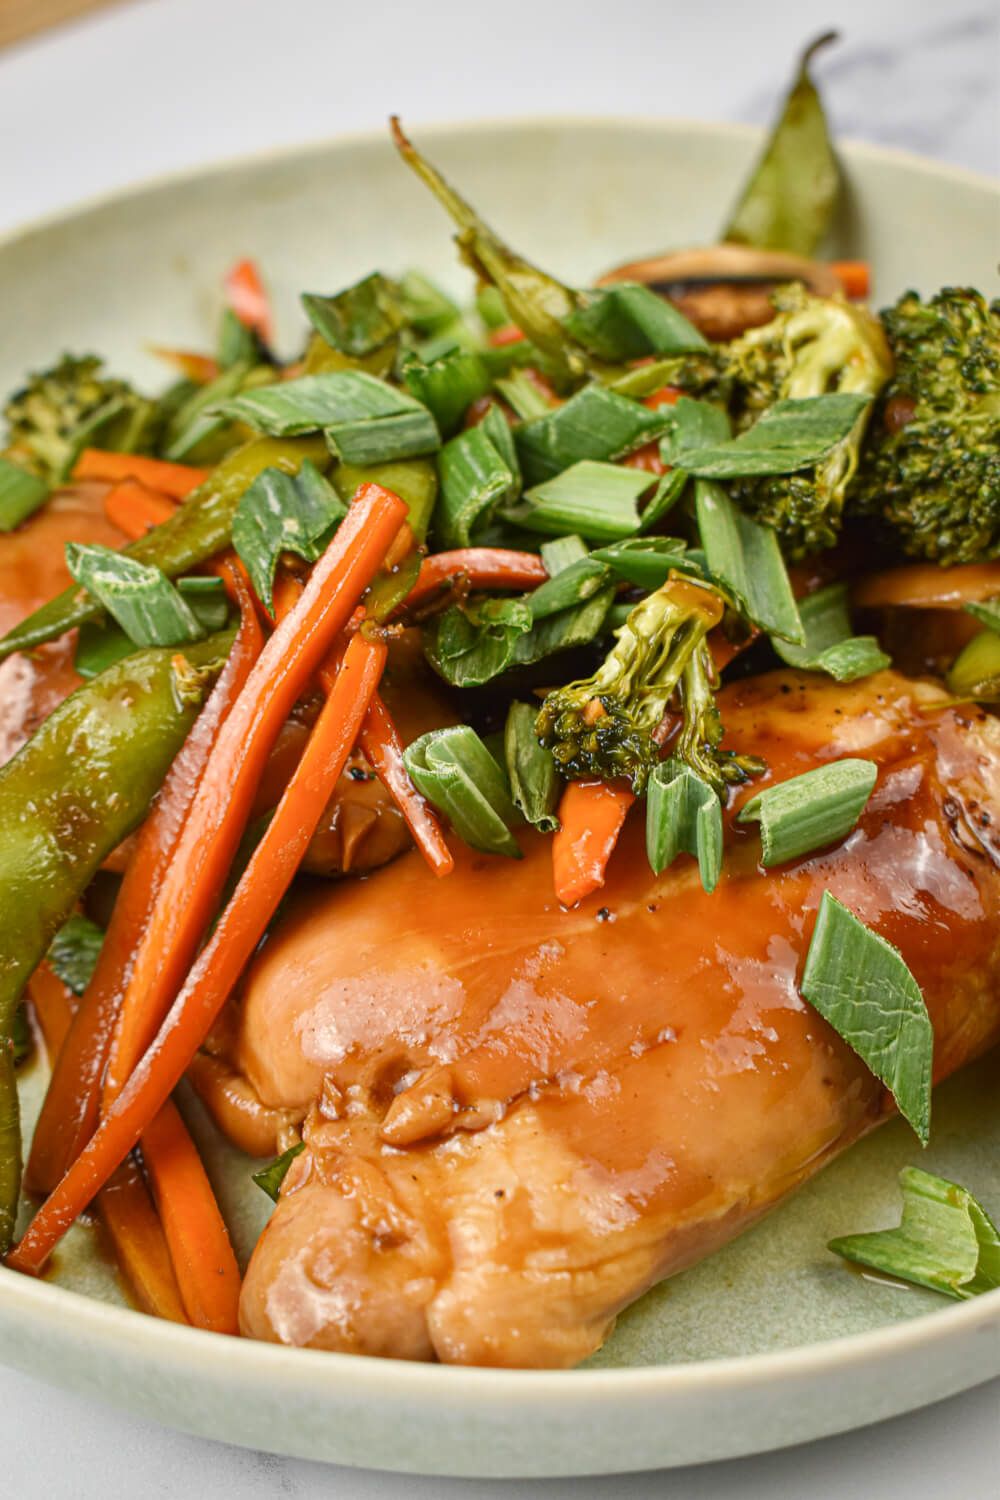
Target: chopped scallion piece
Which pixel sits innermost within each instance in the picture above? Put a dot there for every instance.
(270, 1178)
(596, 423)
(448, 386)
(629, 321)
(358, 320)
(683, 813)
(197, 419)
(475, 482)
(861, 985)
(476, 639)
(649, 561)
(790, 435)
(987, 613)
(456, 772)
(425, 307)
(597, 500)
(339, 398)
(810, 811)
(284, 513)
(381, 440)
(574, 602)
(946, 1240)
(746, 559)
(146, 605)
(523, 396)
(101, 643)
(21, 494)
(531, 769)
(828, 645)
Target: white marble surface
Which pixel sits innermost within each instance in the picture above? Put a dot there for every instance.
(161, 84)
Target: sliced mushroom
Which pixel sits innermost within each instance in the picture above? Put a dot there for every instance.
(725, 289)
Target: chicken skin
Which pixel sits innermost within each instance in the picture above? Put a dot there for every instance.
(518, 1118)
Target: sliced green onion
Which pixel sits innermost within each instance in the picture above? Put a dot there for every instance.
(975, 672)
(861, 985)
(237, 344)
(531, 769)
(101, 643)
(828, 645)
(491, 307)
(669, 489)
(497, 429)
(475, 482)
(270, 1178)
(284, 513)
(414, 480)
(745, 557)
(360, 319)
(574, 603)
(596, 423)
(523, 396)
(629, 321)
(946, 1241)
(74, 952)
(313, 402)
(475, 640)
(426, 308)
(790, 435)
(448, 386)
(597, 500)
(456, 772)
(693, 425)
(810, 811)
(146, 605)
(683, 813)
(381, 440)
(196, 419)
(648, 561)
(21, 494)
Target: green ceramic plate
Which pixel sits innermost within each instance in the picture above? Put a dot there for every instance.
(772, 1341)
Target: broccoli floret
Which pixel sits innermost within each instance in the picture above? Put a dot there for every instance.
(930, 468)
(605, 726)
(814, 345)
(58, 407)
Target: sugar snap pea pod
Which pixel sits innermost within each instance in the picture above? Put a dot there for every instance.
(789, 198)
(535, 301)
(200, 528)
(66, 800)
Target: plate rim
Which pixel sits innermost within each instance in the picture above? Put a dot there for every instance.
(167, 1342)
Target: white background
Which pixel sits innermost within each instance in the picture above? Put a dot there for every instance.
(160, 84)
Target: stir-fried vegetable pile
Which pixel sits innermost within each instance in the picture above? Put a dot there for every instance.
(600, 508)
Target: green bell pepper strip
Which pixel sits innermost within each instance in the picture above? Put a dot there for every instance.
(69, 797)
(415, 481)
(200, 528)
(789, 200)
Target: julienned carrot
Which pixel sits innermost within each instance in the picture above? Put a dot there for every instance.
(69, 1114)
(249, 301)
(481, 567)
(175, 480)
(591, 815)
(507, 333)
(186, 899)
(380, 741)
(134, 508)
(124, 1204)
(200, 1248)
(262, 885)
(201, 368)
(667, 395)
(855, 276)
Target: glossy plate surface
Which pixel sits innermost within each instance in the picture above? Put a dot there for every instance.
(771, 1342)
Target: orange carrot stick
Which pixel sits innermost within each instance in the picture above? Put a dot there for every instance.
(135, 509)
(175, 480)
(507, 333)
(481, 567)
(201, 368)
(200, 1248)
(249, 301)
(239, 929)
(591, 815)
(380, 742)
(124, 1204)
(69, 1114)
(855, 276)
(186, 899)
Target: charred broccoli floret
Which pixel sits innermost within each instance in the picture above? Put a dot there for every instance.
(605, 726)
(814, 345)
(47, 419)
(930, 468)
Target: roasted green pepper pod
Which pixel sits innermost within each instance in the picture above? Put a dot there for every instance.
(200, 528)
(66, 800)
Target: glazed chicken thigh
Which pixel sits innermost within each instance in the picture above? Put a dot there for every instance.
(517, 1118)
